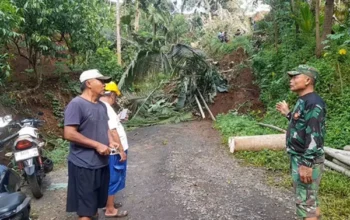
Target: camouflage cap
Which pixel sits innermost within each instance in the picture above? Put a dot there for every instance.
(306, 70)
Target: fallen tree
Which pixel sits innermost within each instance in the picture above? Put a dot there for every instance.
(188, 75)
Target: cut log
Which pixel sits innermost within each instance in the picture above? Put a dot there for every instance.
(340, 157)
(257, 143)
(341, 164)
(337, 168)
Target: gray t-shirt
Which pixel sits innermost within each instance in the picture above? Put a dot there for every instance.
(92, 121)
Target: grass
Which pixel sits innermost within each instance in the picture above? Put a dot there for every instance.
(334, 189)
(58, 154)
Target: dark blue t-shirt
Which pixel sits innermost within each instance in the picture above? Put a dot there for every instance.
(92, 121)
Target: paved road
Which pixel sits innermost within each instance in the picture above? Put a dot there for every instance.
(183, 172)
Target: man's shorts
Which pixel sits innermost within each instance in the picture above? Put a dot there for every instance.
(306, 194)
(117, 174)
(87, 189)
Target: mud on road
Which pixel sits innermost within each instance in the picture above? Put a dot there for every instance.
(181, 172)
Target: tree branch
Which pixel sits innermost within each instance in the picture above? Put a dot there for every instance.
(20, 53)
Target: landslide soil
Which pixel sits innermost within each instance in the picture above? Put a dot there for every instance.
(243, 94)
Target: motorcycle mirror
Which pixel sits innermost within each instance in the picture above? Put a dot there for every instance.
(4, 121)
(8, 118)
(40, 113)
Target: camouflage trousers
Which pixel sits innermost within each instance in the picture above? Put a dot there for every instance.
(306, 195)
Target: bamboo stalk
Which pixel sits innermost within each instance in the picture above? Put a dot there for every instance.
(273, 127)
(340, 157)
(337, 168)
(200, 107)
(206, 106)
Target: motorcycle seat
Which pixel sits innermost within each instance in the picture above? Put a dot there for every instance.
(10, 201)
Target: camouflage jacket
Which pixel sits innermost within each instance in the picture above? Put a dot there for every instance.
(306, 130)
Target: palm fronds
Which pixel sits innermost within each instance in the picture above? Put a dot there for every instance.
(189, 71)
(305, 20)
(145, 62)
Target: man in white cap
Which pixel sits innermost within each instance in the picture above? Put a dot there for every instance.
(86, 127)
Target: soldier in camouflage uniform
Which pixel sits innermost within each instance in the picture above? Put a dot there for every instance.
(305, 138)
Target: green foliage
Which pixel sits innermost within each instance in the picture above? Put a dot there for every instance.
(59, 152)
(334, 190)
(150, 82)
(106, 61)
(217, 49)
(4, 67)
(271, 160)
(82, 24)
(9, 20)
(39, 27)
(270, 70)
(177, 29)
(36, 29)
(234, 124)
(57, 108)
(7, 101)
(162, 116)
(305, 19)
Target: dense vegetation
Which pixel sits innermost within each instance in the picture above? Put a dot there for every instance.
(294, 48)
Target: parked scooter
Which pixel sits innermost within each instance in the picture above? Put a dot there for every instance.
(14, 205)
(27, 152)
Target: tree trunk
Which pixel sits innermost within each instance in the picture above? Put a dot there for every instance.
(318, 39)
(328, 19)
(119, 53)
(137, 16)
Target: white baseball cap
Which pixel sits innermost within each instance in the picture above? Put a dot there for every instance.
(93, 74)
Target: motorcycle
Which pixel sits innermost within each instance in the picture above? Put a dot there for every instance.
(14, 205)
(27, 152)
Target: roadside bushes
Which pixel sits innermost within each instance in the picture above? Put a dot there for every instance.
(106, 61)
